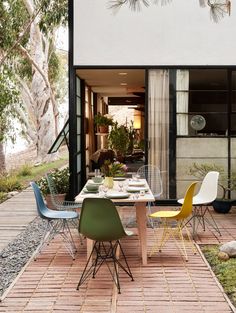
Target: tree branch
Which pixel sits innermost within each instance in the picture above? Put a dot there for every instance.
(21, 36)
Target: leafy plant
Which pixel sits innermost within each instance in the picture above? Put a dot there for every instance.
(3, 196)
(9, 183)
(118, 139)
(227, 185)
(25, 170)
(60, 178)
(103, 120)
(110, 169)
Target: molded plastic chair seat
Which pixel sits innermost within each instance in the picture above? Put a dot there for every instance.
(100, 221)
(57, 223)
(60, 214)
(180, 216)
(206, 195)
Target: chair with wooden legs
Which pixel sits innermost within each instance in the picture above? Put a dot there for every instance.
(174, 222)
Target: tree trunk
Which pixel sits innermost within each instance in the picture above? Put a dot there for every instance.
(42, 94)
(2, 159)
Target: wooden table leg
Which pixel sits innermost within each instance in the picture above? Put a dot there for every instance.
(89, 248)
(142, 228)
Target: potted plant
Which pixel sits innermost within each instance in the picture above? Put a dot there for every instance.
(118, 140)
(103, 122)
(61, 180)
(224, 203)
(112, 169)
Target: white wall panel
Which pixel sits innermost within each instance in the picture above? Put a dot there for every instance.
(180, 33)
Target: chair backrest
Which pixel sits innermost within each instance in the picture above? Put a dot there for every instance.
(153, 176)
(187, 205)
(100, 221)
(41, 207)
(208, 190)
(53, 189)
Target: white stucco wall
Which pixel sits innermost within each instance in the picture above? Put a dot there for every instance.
(180, 33)
(200, 151)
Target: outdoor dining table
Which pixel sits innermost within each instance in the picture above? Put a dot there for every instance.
(137, 199)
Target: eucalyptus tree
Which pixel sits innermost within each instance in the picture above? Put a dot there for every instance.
(27, 49)
(218, 8)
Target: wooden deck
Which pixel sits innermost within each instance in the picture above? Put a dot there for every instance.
(15, 214)
(168, 284)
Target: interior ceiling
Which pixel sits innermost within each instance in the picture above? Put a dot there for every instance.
(111, 83)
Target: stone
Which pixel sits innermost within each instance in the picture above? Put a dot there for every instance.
(229, 248)
(223, 256)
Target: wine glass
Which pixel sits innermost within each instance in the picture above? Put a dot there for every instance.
(120, 184)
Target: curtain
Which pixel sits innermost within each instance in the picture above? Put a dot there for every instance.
(158, 124)
(182, 87)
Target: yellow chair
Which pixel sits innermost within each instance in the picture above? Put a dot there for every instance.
(175, 231)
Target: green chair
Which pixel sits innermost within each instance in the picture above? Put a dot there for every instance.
(100, 221)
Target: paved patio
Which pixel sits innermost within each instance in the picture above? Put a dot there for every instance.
(167, 284)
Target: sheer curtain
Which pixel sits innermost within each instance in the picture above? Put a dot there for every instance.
(182, 87)
(158, 124)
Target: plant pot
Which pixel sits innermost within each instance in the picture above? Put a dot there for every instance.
(222, 206)
(103, 129)
(109, 182)
(48, 198)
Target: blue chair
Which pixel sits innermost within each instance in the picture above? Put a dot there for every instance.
(57, 223)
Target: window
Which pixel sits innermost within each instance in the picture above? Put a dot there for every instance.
(205, 93)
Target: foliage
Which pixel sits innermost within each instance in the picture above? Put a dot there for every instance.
(3, 196)
(118, 139)
(60, 178)
(25, 170)
(111, 169)
(218, 8)
(225, 271)
(227, 185)
(103, 120)
(9, 183)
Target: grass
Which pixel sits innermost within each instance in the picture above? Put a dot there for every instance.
(225, 271)
(20, 179)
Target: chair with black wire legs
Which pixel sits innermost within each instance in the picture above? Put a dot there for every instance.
(201, 202)
(152, 175)
(100, 221)
(57, 223)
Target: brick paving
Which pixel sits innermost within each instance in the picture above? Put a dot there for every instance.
(167, 284)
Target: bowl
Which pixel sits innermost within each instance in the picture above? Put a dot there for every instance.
(92, 187)
(97, 179)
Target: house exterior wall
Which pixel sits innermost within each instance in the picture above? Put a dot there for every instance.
(199, 150)
(180, 33)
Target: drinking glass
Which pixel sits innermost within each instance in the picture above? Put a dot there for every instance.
(120, 184)
(97, 173)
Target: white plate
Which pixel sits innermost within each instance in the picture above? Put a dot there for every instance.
(136, 183)
(119, 178)
(117, 195)
(136, 189)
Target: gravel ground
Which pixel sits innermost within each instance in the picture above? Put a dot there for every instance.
(17, 253)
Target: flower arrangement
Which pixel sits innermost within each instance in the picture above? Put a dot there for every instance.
(112, 169)
(60, 178)
(103, 120)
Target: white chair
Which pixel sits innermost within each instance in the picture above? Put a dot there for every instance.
(206, 195)
(153, 176)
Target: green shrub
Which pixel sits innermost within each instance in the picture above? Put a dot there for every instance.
(3, 196)
(9, 183)
(60, 178)
(25, 170)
